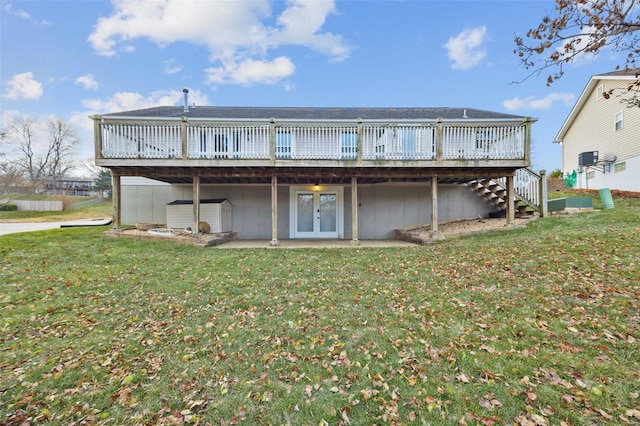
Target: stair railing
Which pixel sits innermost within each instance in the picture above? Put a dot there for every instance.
(531, 188)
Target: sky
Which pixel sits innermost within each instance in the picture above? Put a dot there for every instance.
(71, 59)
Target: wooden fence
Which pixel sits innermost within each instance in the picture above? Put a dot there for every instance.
(37, 206)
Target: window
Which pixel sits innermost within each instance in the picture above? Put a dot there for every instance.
(591, 175)
(203, 142)
(483, 137)
(213, 145)
(599, 91)
(619, 124)
(349, 145)
(408, 145)
(220, 144)
(283, 145)
(620, 167)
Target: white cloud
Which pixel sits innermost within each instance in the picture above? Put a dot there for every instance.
(301, 24)
(172, 67)
(87, 81)
(546, 103)
(236, 33)
(466, 50)
(8, 9)
(251, 71)
(126, 101)
(23, 86)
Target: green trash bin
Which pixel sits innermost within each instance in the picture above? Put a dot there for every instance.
(605, 196)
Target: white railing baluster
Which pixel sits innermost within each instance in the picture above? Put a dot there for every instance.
(314, 142)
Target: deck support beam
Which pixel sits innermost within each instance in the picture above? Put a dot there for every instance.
(434, 205)
(354, 211)
(544, 208)
(274, 210)
(511, 208)
(196, 205)
(116, 196)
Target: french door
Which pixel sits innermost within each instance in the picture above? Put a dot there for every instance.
(316, 214)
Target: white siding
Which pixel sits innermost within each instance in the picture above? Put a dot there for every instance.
(593, 129)
(217, 215)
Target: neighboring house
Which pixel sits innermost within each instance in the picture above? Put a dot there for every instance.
(353, 173)
(68, 185)
(601, 137)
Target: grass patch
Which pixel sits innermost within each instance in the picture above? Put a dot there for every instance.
(532, 325)
(79, 208)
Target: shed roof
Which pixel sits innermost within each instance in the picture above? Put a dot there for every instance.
(314, 113)
(203, 201)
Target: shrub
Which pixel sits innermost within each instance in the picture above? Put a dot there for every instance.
(8, 207)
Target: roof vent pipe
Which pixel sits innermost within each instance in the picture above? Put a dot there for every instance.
(464, 114)
(186, 99)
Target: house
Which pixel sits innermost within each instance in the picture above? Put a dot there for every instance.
(601, 137)
(68, 185)
(348, 173)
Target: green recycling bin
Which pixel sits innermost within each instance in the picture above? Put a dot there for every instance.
(605, 196)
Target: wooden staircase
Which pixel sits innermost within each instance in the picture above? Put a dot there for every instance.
(494, 192)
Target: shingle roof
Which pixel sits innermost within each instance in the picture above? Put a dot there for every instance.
(314, 113)
(622, 73)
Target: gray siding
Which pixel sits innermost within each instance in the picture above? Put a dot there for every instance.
(382, 208)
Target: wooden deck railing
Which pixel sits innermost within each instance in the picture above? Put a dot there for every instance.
(363, 141)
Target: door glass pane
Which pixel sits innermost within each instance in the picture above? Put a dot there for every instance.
(327, 212)
(305, 212)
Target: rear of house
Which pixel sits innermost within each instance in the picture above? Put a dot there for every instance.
(352, 173)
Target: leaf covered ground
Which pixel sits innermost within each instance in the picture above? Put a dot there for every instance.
(531, 326)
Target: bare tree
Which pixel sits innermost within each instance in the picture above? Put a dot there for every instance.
(42, 151)
(11, 179)
(585, 27)
(62, 143)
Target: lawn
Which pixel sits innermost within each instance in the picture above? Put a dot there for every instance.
(75, 208)
(530, 326)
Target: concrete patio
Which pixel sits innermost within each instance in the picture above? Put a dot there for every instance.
(315, 243)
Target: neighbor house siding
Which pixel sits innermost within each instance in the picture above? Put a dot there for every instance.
(593, 129)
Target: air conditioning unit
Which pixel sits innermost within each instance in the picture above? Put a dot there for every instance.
(589, 158)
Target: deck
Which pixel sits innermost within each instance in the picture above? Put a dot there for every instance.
(179, 146)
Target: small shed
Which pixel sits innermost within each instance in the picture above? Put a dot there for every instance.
(216, 212)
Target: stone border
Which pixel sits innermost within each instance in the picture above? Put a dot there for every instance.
(201, 240)
(414, 236)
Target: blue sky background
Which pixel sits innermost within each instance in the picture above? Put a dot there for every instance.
(71, 59)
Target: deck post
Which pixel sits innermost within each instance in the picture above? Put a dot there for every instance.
(354, 211)
(544, 208)
(360, 148)
(274, 210)
(97, 136)
(196, 205)
(272, 139)
(511, 208)
(439, 136)
(183, 138)
(116, 195)
(434, 205)
(527, 140)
